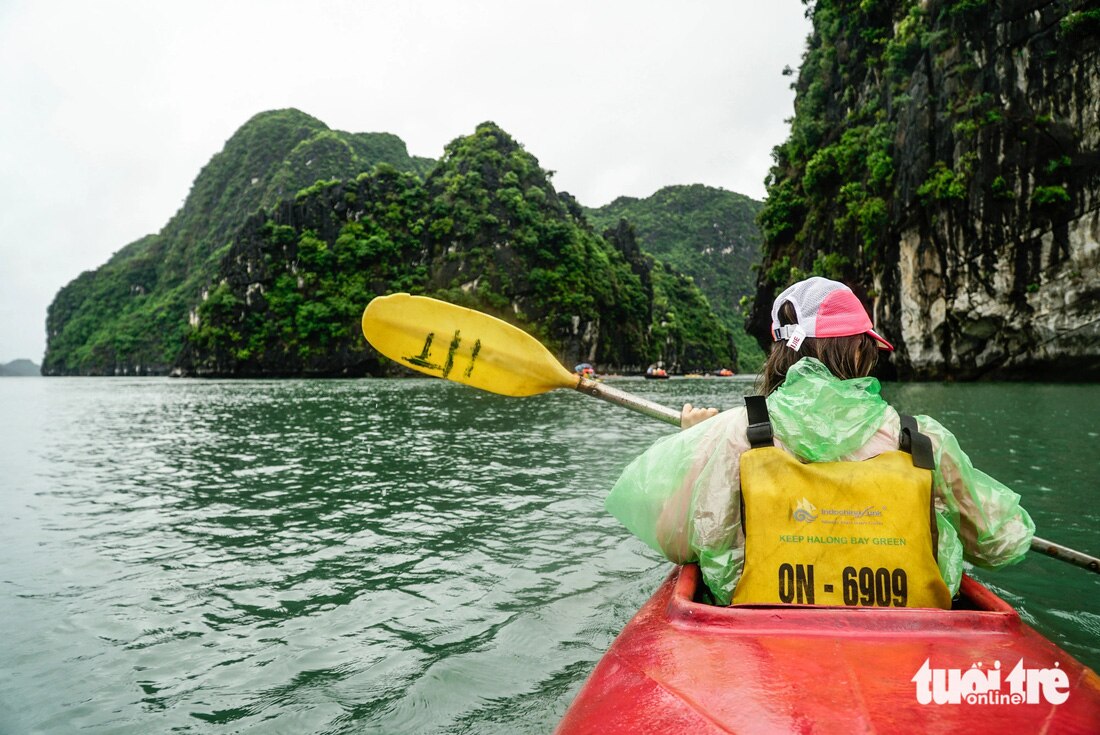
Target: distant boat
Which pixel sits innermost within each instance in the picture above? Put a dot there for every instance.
(724, 373)
(585, 370)
(656, 373)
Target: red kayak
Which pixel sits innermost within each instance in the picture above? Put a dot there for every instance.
(681, 666)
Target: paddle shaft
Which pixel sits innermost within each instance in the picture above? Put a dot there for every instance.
(671, 416)
(628, 400)
(1066, 554)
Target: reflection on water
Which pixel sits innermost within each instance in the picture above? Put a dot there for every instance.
(386, 556)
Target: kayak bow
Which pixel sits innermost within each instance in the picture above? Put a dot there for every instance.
(681, 666)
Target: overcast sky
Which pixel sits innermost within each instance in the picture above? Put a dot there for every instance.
(109, 109)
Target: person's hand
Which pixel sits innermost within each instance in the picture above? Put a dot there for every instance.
(691, 416)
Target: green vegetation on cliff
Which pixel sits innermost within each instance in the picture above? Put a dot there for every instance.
(131, 315)
(485, 229)
(707, 233)
(827, 207)
(289, 298)
(501, 236)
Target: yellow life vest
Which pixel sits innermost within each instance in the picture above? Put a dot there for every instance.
(838, 533)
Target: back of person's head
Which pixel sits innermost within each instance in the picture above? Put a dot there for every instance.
(823, 319)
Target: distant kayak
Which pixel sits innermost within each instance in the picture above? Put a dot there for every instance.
(681, 666)
(585, 370)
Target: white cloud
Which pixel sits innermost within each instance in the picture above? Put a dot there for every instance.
(111, 108)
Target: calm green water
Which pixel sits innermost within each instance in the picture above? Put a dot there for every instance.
(389, 556)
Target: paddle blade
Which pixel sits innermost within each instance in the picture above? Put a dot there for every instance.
(463, 345)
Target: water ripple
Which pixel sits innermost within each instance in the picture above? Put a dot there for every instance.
(352, 556)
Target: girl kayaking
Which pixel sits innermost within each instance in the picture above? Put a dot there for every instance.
(832, 497)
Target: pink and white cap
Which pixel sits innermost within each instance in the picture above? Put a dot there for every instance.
(824, 309)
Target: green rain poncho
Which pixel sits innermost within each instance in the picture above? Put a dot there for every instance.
(682, 496)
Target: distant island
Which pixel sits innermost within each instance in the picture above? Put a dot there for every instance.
(293, 228)
(19, 369)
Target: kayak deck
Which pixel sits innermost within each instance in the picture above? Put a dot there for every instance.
(681, 666)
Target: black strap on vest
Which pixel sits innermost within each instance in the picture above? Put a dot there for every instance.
(917, 444)
(760, 425)
(919, 447)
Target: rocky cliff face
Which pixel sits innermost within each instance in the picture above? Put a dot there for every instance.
(946, 156)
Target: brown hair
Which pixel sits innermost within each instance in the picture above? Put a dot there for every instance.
(846, 357)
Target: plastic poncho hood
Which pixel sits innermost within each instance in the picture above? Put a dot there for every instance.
(821, 418)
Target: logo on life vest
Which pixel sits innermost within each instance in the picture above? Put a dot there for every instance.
(805, 512)
(854, 515)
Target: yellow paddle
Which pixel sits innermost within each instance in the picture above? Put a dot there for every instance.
(468, 347)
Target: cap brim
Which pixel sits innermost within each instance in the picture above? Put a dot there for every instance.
(882, 344)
